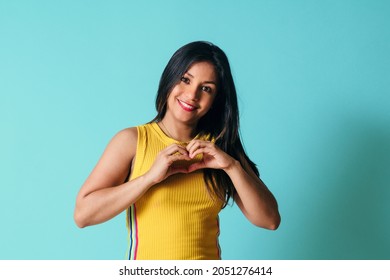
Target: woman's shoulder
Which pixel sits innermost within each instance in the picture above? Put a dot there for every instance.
(129, 136)
(126, 135)
(125, 141)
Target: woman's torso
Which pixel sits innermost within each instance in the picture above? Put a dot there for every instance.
(175, 219)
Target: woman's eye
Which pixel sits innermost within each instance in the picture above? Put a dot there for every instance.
(206, 89)
(185, 80)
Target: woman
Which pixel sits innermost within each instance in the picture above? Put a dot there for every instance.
(174, 174)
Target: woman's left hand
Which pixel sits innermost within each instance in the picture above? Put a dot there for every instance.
(253, 197)
(213, 156)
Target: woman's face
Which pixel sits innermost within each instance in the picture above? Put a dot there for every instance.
(193, 96)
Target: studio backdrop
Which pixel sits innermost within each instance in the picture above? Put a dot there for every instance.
(313, 79)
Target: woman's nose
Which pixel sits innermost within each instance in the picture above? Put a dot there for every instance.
(193, 92)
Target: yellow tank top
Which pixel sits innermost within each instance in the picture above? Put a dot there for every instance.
(176, 219)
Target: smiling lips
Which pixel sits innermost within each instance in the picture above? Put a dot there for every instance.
(187, 107)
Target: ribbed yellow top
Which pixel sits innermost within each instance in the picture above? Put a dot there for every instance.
(175, 219)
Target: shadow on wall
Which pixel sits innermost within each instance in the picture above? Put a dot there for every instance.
(350, 214)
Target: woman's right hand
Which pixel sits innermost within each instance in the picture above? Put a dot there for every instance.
(163, 166)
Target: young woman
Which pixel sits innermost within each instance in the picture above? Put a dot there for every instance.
(174, 174)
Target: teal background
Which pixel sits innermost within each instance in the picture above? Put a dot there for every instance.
(313, 79)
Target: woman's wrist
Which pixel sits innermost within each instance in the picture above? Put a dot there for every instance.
(234, 165)
(146, 180)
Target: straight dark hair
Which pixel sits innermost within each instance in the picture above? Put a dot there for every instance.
(221, 122)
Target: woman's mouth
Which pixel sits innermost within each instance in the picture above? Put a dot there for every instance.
(187, 107)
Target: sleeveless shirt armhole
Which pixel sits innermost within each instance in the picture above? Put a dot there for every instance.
(141, 142)
(141, 132)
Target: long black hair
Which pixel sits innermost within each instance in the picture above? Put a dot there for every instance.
(221, 122)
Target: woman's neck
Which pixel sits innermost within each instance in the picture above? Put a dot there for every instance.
(176, 130)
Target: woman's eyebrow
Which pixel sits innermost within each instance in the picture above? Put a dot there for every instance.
(205, 82)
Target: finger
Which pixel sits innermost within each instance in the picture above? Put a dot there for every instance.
(196, 152)
(196, 146)
(191, 143)
(177, 157)
(205, 150)
(177, 169)
(194, 143)
(196, 166)
(170, 159)
(175, 149)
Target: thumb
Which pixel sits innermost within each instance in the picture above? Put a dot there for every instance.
(174, 170)
(196, 166)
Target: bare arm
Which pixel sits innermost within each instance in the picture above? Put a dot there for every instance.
(105, 193)
(254, 199)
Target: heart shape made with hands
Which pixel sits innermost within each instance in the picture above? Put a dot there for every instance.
(188, 163)
(206, 155)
